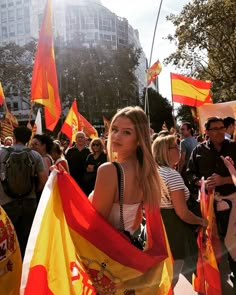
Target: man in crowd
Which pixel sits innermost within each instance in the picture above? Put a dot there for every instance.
(19, 205)
(229, 124)
(187, 144)
(76, 158)
(206, 162)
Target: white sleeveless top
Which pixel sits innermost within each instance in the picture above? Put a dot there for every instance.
(129, 215)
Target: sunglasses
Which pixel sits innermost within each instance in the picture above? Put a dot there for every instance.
(96, 144)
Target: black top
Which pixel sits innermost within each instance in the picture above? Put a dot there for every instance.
(205, 160)
(102, 158)
(76, 161)
(90, 177)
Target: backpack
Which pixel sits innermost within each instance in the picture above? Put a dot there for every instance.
(17, 172)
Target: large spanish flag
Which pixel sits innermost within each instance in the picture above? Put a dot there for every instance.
(73, 250)
(71, 124)
(207, 280)
(190, 91)
(2, 96)
(10, 257)
(44, 85)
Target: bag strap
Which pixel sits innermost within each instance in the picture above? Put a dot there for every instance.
(120, 176)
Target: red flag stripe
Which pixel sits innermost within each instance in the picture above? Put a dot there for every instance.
(138, 260)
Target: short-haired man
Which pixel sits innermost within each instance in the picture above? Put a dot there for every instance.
(206, 162)
(21, 210)
(76, 157)
(229, 124)
(187, 144)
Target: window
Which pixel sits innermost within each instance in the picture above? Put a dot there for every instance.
(3, 17)
(107, 37)
(19, 13)
(11, 15)
(26, 12)
(4, 32)
(20, 28)
(10, 4)
(15, 106)
(27, 27)
(12, 29)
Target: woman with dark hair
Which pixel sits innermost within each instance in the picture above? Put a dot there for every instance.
(43, 145)
(93, 161)
(58, 157)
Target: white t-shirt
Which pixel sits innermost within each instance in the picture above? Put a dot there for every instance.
(174, 182)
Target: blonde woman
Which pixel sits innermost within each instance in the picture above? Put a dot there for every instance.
(129, 139)
(176, 215)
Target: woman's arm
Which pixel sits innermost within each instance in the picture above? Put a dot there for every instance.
(105, 190)
(181, 209)
(230, 165)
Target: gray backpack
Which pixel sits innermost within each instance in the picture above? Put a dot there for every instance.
(17, 172)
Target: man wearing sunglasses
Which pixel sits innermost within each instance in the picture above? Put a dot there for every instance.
(206, 161)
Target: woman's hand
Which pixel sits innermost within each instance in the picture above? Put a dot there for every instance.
(229, 163)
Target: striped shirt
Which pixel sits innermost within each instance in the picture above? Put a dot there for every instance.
(174, 182)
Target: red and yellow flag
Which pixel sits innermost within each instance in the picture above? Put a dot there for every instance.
(2, 96)
(71, 124)
(10, 257)
(153, 72)
(44, 85)
(207, 280)
(70, 251)
(88, 129)
(190, 91)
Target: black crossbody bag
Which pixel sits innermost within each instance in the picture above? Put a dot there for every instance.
(136, 241)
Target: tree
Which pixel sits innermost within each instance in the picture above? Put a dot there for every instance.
(160, 110)
(184, 114)
(16, 68)
(205, 36)
(101, 79)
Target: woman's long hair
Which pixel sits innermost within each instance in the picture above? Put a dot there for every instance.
(147, 175)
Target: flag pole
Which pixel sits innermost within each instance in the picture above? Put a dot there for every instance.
(173, 115)
(30, 114)
(146, 102)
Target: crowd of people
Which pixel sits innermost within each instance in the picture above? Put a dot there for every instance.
(159, 171)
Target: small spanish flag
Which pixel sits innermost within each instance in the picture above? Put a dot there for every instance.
(153, 72)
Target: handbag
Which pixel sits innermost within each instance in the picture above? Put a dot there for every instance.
(138, 242)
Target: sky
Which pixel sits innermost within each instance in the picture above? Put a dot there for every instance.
(142, 15)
